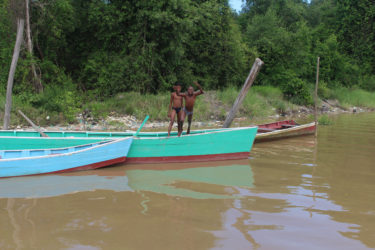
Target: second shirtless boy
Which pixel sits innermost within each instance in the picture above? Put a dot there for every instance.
(189, 97)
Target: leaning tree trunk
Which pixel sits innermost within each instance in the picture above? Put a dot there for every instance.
(16, 53)
(241, 96)
(36, 79)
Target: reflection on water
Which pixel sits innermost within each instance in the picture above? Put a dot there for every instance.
(55, 185)
(182, 182)
(291, 194)
(178, 182)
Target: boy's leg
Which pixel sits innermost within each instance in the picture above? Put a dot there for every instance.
(190, 118)
(180, 120)
(183, 115)
(173, 114)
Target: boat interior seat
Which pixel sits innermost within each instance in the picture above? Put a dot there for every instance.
(287, 125)
(266, 129)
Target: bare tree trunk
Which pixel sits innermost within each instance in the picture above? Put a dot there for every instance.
(16, 53)
(249, 81)
(36, 80)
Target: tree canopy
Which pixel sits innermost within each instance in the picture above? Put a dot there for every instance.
(103, 47)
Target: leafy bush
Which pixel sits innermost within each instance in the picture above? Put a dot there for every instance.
(56, 100)
(323, 91)
(367, 82)
(324, 120)
(297, 91)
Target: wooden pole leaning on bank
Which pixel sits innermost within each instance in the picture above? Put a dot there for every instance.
(12, 70)
(241, 96)
(32, 124)
(316, 97)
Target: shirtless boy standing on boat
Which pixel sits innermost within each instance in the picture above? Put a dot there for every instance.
(189, 103)
(175, 107)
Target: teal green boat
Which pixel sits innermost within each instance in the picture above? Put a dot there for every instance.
(148, 147)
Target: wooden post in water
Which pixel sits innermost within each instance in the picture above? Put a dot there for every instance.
(241, 96)
(32, 124)
(16, 53)
(316, 97)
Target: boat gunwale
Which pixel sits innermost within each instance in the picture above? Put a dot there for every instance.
(208, 131)
(279, 122)
(43, 149)
(54, 138)
(62, 154)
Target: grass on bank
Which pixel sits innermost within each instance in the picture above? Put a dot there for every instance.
(61, 107)
(140, 105)
(357, 97)
(260, 101)
(347, 97)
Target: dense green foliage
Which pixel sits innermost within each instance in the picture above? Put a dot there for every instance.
(289, 35)
(88, 50)
(113, 46)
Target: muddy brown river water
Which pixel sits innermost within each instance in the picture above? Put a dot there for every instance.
(299, 193)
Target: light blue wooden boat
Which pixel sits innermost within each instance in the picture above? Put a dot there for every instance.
(81, 157)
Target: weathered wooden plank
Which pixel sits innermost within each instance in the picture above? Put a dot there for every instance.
(32, 124)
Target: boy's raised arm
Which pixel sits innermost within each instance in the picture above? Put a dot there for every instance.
(199, 87)
(181, 94)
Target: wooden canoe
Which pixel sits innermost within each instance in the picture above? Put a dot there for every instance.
(55, 160)
(282, 130)
(157, 147)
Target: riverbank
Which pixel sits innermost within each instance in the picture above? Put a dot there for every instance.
(126, 111)
(115, 122)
